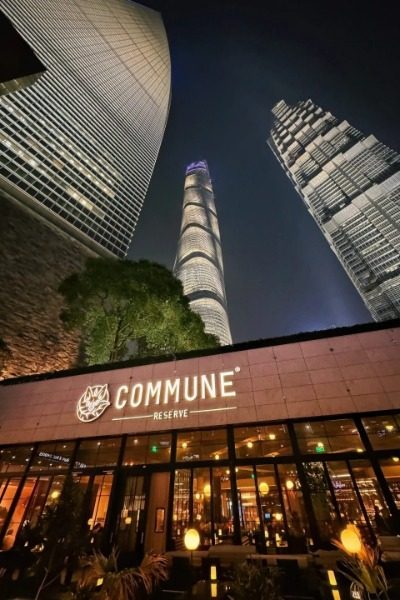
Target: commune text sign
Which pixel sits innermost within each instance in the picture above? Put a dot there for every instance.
(160, 400)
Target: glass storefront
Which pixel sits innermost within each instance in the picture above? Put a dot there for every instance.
(279, 485)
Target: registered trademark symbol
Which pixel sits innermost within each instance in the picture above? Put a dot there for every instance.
(237, 369)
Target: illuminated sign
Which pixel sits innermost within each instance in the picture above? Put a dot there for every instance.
(156, 398)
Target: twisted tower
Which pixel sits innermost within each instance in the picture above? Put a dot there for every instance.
(198, 261)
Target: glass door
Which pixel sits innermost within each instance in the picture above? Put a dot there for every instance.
(130, 530)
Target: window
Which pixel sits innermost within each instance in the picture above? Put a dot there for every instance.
(322, 501)
(14, 459)
(271, 507)
(53, 457)
(180, 511)
(265, 440)
(383, 432)
(101, 452)
(202, 504)
(202, 445)
(391, 470)
(222, 506)
(337, 435)
(293, 502)
(147, 449)
(370, 490)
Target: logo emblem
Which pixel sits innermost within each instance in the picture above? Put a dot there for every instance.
(93, 403)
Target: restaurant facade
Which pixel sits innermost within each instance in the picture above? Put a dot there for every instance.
(280, 442)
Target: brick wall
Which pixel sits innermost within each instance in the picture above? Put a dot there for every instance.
(34, 259)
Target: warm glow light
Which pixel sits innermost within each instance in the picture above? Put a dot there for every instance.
(249, 444)
(216, 457)
(192, 539)
(128, 520)
(360, 450)
(213, 573)
(90, 522)
(214, 590)
(289, 484)
(331, 577)
(197, 496)
(389, 427)
(184, 445)
(207, 490)
(263, 488)
(99, 581)
(54, 495)
(336, 595)
(395, 458)
(278, 516)
(272, 436)
(351, 540)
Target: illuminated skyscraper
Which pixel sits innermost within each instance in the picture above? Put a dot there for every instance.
(80, 144)
(350, 184)
(198, 262)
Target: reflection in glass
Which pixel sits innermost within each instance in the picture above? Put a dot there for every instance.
(346, 497)
(14, 459)
(293, 502)
(262, 440)
(247, 504)
(131, 518)
(391, 470)
(202, 504)
(180, 511)
(201, 445)
(147, 449)
(324, 510)
(19, 512)
(383, 432)
(98, 452)
(371, 494)
(100, 497)
(53, 457)
(271, 507)
(337, 435)
(222, 506)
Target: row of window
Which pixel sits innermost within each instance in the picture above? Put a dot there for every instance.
(255, 441)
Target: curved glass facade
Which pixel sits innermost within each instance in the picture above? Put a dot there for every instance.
(79, 146)
(198, 262)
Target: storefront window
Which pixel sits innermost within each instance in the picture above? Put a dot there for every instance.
(180, 512)
(346, 497)
(53, 457)
(265, 440)
(247, 503)
(324, 509)
(8, 489)
(271, 507)
(101, 452)
(222, 506)
(100, 498)
(201, 445)
(147, 449)
(131, 519)
(383, 432)
(391, 470)
(46, 492)
(292, 494)
(319, 437)
(14, 459)
(202, 504)
(19, 512)
(371, 494)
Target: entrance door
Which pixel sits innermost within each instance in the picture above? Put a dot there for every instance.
(130, 529)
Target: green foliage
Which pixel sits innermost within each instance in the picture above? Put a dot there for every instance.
(125, 309)
(128, 584)
(254, 582)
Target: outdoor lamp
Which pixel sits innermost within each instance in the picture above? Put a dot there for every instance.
(213, 573)
(192, 539)
(351, 540)
(263, 488)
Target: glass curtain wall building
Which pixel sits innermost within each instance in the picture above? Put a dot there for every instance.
(79, 146)
(350, 183)
(199, 262)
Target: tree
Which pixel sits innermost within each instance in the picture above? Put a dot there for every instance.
(125, 309)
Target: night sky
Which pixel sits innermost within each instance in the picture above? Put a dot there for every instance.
(231, 62)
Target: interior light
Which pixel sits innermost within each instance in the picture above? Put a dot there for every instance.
(192, 539)
(278, 516)
(54, 495)
(184, 445)
(249, 444)
(263, 488)
(289, 484)
(207, 490)
(272, 436)
(395, 458)
(216, 457)
(389, 428)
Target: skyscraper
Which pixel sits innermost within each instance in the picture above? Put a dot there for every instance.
(198, 261)
(80, 144)
(350, 184)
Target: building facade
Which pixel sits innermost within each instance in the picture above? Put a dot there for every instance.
(290, 438)
(198, 261)
(79, 146)
(350, 184)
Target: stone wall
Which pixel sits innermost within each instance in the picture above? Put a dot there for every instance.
(34, 259)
